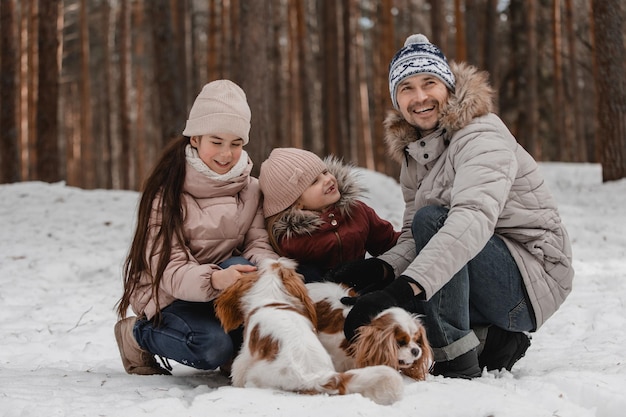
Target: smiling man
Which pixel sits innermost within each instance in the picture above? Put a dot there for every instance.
(482, 249)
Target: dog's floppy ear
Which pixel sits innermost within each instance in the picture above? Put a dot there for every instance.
(227, 305)
(375, 344)
(294, 284)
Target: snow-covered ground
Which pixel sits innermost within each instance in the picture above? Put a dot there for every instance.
(61, 251)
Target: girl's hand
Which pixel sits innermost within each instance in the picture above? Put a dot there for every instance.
(224, 278)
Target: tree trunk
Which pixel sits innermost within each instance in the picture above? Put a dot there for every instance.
(214, 35)
(574, 121)
(32, 75)
(180, 29)
(293, 96)
(305, 93)
(9, 146)
(123, 109)
(330, 77)
(513, 77)
(559, 98)
(254, 48)
(460, 46)
(472, 20)
(384, 43)
(310, 75)
(87, 160)
(530, 92)
(610, 81)
(350, 131)
(47, 139)
(227, 45)
(102, 125)
(170, 87)
(438, 23)
(490, 42)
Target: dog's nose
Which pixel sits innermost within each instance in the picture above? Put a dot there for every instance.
(417, 352)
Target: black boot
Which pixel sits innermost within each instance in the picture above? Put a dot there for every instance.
(502, 349)
(464, 366)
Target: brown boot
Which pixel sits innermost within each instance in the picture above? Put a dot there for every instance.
(135, 359)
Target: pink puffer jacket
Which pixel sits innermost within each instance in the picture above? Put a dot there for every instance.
(221, 220)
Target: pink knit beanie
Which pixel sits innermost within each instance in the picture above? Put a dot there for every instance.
(284, 176)
(221, 107)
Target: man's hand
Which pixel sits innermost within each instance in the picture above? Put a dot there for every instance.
(364, 275)
(399, 293)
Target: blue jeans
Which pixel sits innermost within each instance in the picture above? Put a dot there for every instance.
(189, 332)
(488, 290)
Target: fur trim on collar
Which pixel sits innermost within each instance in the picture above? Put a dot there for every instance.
(294, 221)
(473, 98)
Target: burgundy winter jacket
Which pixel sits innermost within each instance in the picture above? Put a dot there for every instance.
(346, 232)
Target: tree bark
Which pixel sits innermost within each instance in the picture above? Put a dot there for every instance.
(610, 81)
(438, 23)
(460, 46)
(47, 139)
(473, 20)
(168, 82)
(254, 49)
(330, 77)
(559, 97)
(384, 44)
(9, 146)
(490, 42)
(573, 122)
(87, 160)
(530, 92)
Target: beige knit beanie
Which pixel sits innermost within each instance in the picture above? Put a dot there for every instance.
(221, 107)
(284, 176)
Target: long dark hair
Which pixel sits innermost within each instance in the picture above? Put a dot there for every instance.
(165, 182)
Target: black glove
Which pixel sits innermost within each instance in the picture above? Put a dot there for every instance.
(363, 276)
(398, 293)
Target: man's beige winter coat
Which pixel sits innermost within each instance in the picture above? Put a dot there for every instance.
(474, 167)
(221, 219)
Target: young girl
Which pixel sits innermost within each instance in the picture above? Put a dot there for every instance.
(199, 228)
(313, 215)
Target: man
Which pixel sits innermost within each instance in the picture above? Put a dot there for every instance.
(482, 244)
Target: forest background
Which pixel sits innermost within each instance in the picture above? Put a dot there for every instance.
(92, 90)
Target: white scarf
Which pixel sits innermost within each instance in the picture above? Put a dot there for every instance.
(194, 160)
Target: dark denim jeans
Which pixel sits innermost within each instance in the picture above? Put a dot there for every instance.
(489, 290)
(189, 332)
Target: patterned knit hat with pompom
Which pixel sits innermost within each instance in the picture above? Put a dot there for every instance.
(418, 56)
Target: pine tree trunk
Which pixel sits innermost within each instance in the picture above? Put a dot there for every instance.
(610, 82)
(9, 146)
(47, 138)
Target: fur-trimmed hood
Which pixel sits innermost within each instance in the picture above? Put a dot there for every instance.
(295, 221)
(473, 98)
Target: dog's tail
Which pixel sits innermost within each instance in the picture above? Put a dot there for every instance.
(382, 384)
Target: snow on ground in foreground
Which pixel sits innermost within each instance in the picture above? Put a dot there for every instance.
(61, 251)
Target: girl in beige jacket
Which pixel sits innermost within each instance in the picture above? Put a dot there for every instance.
(199, 227)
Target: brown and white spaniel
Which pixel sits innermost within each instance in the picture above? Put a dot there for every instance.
(394, 337)
(281, 349)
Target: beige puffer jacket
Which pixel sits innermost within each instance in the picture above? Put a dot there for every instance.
(474, 167)
(221, 220)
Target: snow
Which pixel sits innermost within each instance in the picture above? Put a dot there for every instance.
(61, 252)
